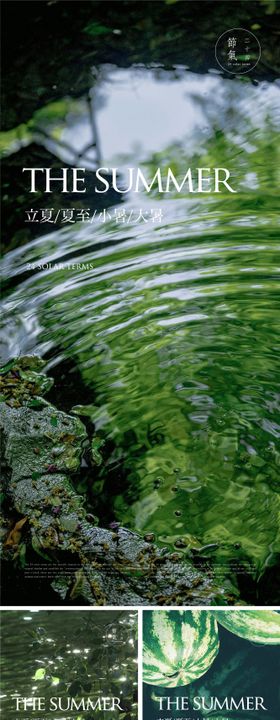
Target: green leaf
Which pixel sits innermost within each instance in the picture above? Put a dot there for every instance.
(5, 368)
(37, 547)
(55, 500)
(55, 680)
(34, 403)
(54, 420)
(22, 555)
(82, 486)
(96, 444)
(95, 28)
(39, 674)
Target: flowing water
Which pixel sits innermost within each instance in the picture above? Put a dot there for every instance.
(173, 325)
(68, 655)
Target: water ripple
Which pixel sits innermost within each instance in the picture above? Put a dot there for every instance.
(175, 330)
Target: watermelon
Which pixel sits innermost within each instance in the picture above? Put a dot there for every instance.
(259, 626)
(178, 645)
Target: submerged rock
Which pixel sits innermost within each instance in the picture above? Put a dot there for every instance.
(42, 447)
(41, 441)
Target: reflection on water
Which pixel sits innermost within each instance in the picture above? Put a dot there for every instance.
(61, 654)
(152, 109)
(175, 330)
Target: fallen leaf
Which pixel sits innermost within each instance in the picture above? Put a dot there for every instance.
(15, 534)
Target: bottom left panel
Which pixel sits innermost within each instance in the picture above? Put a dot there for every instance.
(69, 664)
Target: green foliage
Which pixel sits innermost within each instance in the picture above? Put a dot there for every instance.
(270, 6)
(22, 555)
(6, 368)
(40, 674)
(50, 119)
(95, 28)
(96, 445)
(38, 549)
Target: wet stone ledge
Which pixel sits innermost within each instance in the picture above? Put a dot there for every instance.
(42, 449)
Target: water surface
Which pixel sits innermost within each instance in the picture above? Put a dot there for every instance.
(68, 654)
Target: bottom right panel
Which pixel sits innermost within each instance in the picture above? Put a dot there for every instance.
(221, 664)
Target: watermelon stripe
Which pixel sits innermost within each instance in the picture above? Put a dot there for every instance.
(178, 645)
(259, 626)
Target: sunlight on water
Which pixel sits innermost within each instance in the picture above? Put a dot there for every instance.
(55, 672)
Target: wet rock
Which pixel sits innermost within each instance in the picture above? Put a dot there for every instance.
(115, 567)
(22, 382)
